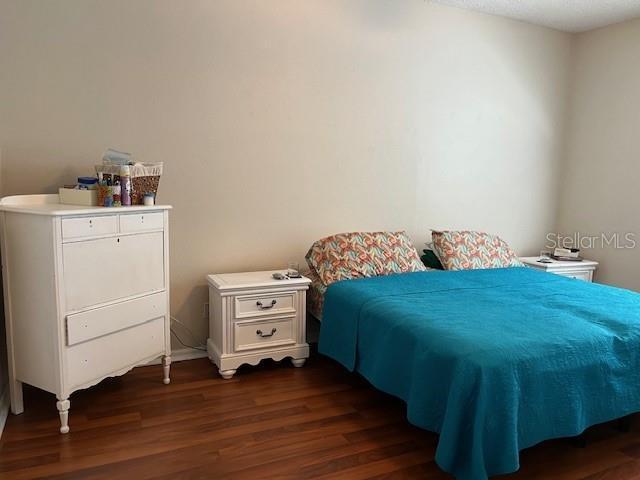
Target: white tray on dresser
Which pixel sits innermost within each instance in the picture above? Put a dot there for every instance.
(86, 292)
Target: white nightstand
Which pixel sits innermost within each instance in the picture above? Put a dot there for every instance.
(252, 316)
(581, 270)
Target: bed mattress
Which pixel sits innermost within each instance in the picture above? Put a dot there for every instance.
(493, 360)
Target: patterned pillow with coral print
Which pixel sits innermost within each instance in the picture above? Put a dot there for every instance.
(362, 254)
(467, 250)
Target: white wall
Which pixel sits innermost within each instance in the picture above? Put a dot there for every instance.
(281, 122)
(602, 171)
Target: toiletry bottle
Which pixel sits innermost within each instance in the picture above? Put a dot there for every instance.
(125, 185)
(108, 198)
(117, 192)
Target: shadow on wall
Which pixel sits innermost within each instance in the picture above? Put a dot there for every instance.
(185, 313)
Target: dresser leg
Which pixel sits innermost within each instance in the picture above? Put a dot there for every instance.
(63, 410)
(298, 362)
(166, 366)
(226, 374)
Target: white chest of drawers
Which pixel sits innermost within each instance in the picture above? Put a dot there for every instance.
(253, 316)
(86, 292)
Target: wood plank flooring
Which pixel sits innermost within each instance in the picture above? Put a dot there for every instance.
(270, 421)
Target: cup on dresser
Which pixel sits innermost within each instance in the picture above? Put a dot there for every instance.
(293, 270)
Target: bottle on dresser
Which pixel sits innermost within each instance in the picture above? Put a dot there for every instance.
(125, 185)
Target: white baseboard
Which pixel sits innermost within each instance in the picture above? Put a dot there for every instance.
(182, 354)
(4, 408)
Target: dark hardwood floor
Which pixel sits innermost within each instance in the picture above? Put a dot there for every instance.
(270, 421)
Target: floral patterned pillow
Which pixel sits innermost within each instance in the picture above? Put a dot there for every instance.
(466, 250)
(362, 254)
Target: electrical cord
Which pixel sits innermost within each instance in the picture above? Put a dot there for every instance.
(175, 334)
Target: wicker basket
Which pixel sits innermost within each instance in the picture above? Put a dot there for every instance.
(145, 178)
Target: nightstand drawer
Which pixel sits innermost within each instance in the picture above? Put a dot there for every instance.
(582, 275)
(263, 334)
(252, 306)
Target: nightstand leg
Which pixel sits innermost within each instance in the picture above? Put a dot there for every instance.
(63, 409)
(298, 362)
(166, 366)
(226, 374)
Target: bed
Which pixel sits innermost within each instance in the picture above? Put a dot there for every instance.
(494, 360)
(315, 295)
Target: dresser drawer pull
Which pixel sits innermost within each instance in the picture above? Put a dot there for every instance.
(266, 335)
(266, 307)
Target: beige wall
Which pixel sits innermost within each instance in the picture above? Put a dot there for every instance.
(280, 122)
(602, 171)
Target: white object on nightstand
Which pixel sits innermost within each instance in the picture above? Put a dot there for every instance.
(583, 270)
(253, 316)
(86, 293)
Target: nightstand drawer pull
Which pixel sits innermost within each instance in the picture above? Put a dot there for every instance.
(266, 307)
(266, 335)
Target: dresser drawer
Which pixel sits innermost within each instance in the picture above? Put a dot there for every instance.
(107, 269)
(103, 321)
(84, 227)
(252, 306)
(140, 222)
(109, 355)
(263, 334)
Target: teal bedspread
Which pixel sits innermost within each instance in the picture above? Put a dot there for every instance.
(493, 360)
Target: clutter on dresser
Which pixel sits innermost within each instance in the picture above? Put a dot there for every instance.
(82, 193)
(135, 178)
(149, 199)
(119, 182)
(292, 272)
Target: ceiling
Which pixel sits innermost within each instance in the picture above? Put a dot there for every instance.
(565, 15)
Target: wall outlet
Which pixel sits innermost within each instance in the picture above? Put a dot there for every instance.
(205, 310)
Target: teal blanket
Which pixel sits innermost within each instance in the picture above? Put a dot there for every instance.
(493, 360)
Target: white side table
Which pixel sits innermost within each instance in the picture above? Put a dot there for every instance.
(583, 270)
(252, 316)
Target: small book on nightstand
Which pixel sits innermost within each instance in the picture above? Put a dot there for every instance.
(567, 254)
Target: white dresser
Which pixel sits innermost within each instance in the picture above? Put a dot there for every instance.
(252, 316)
(86, 293)
(583, 270)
